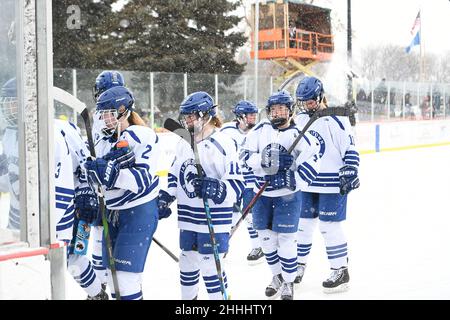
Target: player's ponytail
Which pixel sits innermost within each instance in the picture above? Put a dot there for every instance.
(135, 119)
(216, 121)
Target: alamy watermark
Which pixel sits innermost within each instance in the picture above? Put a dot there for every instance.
(74, 19)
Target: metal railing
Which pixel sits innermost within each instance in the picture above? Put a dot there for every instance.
(159, 94)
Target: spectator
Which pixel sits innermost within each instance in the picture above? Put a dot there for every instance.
(425, 107)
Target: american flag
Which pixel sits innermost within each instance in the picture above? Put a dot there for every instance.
(416, 25)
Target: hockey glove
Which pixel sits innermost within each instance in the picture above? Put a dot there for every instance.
(164, 201)
(274, 160)
(210, 188)
(348, 179)
(102, 172)
(86, 205)
(123, 155)
(283, 179)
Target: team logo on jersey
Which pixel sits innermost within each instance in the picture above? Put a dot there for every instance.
(188, 172)
(270, 157)
(321, 142)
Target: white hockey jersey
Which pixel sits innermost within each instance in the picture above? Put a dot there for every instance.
(264, 137)
(10, 178)
(70, 174)
(219, 159)
(139, 184)
(232, 130)
(337, 148)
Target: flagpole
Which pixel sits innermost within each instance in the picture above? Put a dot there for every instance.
(421, 76)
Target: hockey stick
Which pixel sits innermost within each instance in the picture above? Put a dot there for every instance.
(176, 128)
(112, 263)
(165, 249)
(71, 101)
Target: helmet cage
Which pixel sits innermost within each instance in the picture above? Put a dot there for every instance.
(9, 109)
(282, 117)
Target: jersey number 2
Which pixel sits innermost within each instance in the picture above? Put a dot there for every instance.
(149, 148)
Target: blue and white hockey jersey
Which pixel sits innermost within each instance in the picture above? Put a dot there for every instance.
(139, 184)
(337, 148)
(232, 130)
(263, 137)
(219, 159)
(69, 174)
(10, 174)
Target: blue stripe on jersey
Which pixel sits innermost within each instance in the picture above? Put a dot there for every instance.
(65, 191)
(214, 141)
(338, 122)
(63, 198)
(229, 127)
(172, 178)
(325, 184)
(220, 216)
(129, 196)
(67, 215)
(74, 126)
(238, 187)
(156, 140)
(202, 209)
(133, 135)
(306, 172)
(307, 140)
(203, 222)
(60, 205)
(262, 125)
(65, 226)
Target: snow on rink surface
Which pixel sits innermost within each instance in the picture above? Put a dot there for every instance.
(398, 234)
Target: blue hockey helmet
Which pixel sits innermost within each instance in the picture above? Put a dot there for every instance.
(243, 107)
(114, 98)
(200, 102)
(112, 105)
(244, 111)
(310, 88)
(8, 101)
(281, 97)
(106, 80)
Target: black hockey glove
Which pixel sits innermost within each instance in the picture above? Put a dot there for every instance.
(164, 201)
(348, 179)
(283, 179)
(86, 205)
(210, 188)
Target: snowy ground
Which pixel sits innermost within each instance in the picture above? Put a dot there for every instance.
(397, 229)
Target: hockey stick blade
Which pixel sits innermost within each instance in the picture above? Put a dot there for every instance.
(178, 129)
(68, 99)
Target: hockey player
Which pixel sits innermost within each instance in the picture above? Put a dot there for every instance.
(275, 214)
(104, 81)
(326, 198)
(9, 159)
(130, 186)
(221, 183)
(246, 116)
(76, 202)
(70, 191)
